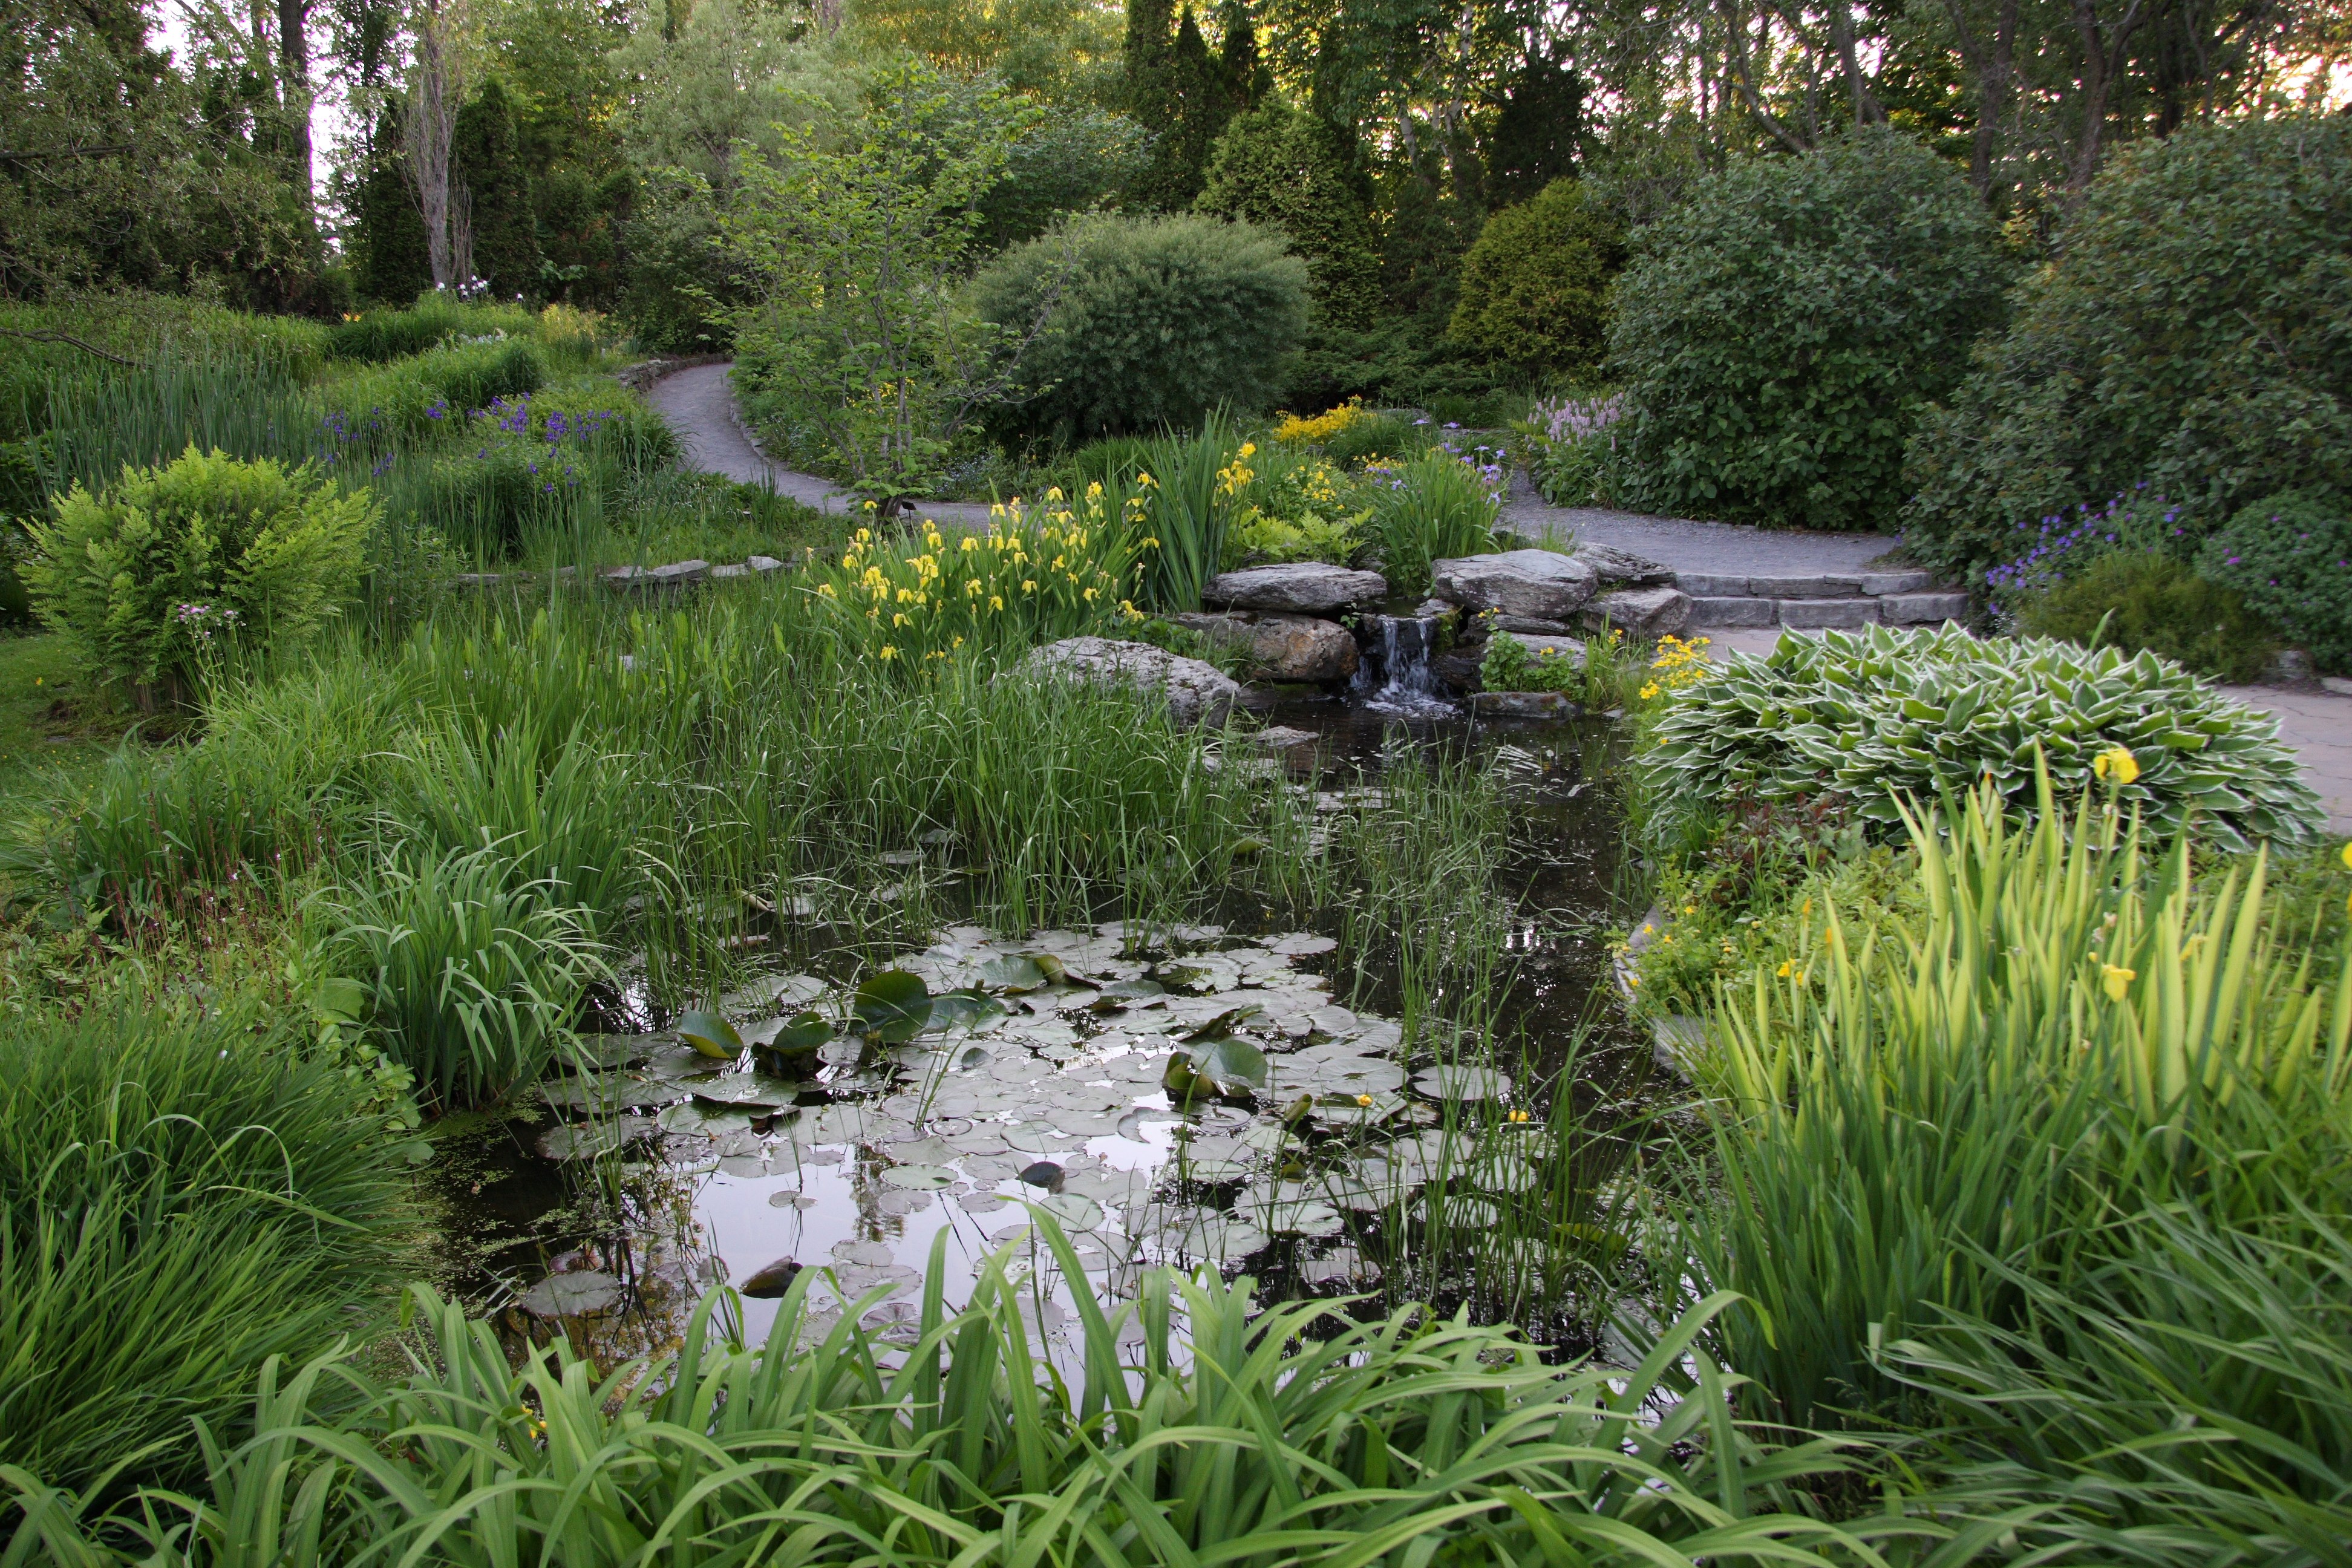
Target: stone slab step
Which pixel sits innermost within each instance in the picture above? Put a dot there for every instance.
(1813, 585)
(1894, 609)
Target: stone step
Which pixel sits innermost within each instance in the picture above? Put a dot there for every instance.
(1894, 609)
(1819, 586)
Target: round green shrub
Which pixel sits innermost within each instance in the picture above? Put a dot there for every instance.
(2194, 332)
(1287, 170)
(1535, 283)
(1158, 320)
(1776, 335)
(169, 568)
(2291, 556)
(2136, 599)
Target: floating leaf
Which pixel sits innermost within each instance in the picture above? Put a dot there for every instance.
(1119, 992)
(796, 1036)
(893, 1006)
(711, 1034)
(1222, 1025)
(1224, 1066)
(1014, 974)
(969, 1005)
(1073, 1212)
(918, 1178)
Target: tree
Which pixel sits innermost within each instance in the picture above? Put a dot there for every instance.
(1535, 287)
(394, 262)
(860, 229)
(1538, 136)
(428, 130)
(498, 192)
(1178, 92)
(1287, 170)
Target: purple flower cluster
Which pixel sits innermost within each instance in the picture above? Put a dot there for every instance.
(1574, 418)
(199, 620)
(2062, 542)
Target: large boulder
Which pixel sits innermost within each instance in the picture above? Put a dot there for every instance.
(1304, 587)
(1196, 692)
(1540, 585)
(1612, 564)
(1282, 647)
(1644, 614)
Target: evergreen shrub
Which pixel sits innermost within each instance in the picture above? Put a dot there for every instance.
(2136, 599)
(1284, 169)
(2291, 557)
(1777, 334)
(1158, 320)
(2195, 332)
(487, 159)
(1535, 285)
(170, 568)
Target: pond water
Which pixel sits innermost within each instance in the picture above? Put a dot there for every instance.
(1299, 1136)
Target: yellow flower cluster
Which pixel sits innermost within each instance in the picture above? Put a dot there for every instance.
(1235, 477)
(1057, 571)
(1678, 664)
(1293, 430)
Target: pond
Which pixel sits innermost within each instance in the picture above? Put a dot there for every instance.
(1333, 1109)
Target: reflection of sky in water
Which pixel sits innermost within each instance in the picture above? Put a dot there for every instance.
(1071, 1075)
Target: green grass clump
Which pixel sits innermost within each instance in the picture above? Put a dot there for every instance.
(184, 1195)
(377, 337)
(1291, 1435)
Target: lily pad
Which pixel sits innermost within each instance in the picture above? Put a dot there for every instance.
(966, 1006)
(893, 1006)
(1219, 1067)
(1072, 1211)
(748, 1089)
(1462, 1083)
(1014, 974)
(918, 1178)
(711, 1034)
(796, 1036)
(568, 1295)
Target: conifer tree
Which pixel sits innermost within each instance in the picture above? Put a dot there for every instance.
(392, 262)
(1286, 168)
(1249, 80)
(488, 162)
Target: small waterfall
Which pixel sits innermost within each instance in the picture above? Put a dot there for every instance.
(1395, 676)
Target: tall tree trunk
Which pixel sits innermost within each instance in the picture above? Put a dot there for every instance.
(2103, 58)
(428, 128)
(294, 90)
(1993, 66)
(1867, 110)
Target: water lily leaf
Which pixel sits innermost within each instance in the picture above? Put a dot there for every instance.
(918, 1178)
(796, 1036)
(1119, 992)
(1073, 1212)
(711, 1034)
(893, 1006)
(1222, 1025)
(1224, 1068)
(969, 1005)
(1014, 974)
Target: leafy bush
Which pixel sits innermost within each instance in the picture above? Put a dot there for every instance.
(1158, 321)
(1284, 169)
(184, 1195)
(1509, 666)
(1430, 1436)
(1880, 714)
(2136, 599)
(1535, 284)
(174, 567)
(2291, 556)
(1294, 506)
(1779, 334)
(1438, 506)
(377, 337)
(2195, 332)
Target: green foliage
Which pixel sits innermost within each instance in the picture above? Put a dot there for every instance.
(1879, 715)
(1534, 286)
(2291, 557)
(470, 969)
(2135, 600)
(172, 567)
(1080, 160)
(2000, 1096)
(1429, 1437)
(485, 161)
(1295, 507)
(1284, 169)
(1509, 666)
(861, 232)
(408, 329)
(184, 1195)
(2194, 332)
(411, 398)
(1434, 506)
(392, 262)
(1148, 322)
(1779, 332)
(1180, 91)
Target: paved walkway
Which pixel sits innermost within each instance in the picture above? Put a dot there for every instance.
(1720, 549)
(2317, 724)
(698, 404)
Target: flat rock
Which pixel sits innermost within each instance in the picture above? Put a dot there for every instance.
(1735, 610)
(1524, 705)
(1196, 692)
(1530, 626)
(1541, 584)
(1283, 738)
(1641, 614)
(1303, 587)
(1280, 647)
(1569, 648)
(1614, 565)
(1918, 609)
(1807, 614)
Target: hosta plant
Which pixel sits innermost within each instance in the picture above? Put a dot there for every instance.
(1878, 715)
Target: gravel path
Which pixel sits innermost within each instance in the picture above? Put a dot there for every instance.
(1720, 549)
(699, 405)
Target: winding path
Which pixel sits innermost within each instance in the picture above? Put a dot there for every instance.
(699, 405)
